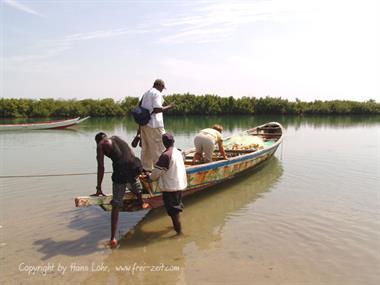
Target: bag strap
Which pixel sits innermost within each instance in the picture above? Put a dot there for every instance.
(141, 100)
(141, 103)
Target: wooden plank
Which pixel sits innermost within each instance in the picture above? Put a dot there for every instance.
(240, 150)
(271, 134)
(85, 201)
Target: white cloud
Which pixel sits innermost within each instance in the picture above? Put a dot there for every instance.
(51, 48)
(16, 5)
(103, 34)
(199, 35)
(217, 20)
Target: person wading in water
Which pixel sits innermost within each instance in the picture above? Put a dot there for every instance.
(126, 169)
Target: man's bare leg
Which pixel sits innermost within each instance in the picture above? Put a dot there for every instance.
(114, 223)
(136, 189)
(177, 223)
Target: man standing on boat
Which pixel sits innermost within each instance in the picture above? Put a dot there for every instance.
(171, 173)
(126, 169)
(151, 134)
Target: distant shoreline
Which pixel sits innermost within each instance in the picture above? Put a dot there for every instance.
(186, 104)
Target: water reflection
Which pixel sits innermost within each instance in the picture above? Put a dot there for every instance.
(152, 243)
(188, 125)
(191, 124)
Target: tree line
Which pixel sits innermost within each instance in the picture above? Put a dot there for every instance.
(186, 104)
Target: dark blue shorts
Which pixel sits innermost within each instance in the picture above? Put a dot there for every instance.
(173, 202)
(118, 191)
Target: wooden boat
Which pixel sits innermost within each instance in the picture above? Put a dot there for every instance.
(61, 124)
(245, 151)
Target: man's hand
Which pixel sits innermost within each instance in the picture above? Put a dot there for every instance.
(148, 178)
(99, 192)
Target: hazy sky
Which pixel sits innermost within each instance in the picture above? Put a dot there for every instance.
(306, 49)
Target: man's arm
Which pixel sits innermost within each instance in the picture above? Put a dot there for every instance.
(167, 107)
(221, 149)
(160, 167)
(100, 174)
(156, 173)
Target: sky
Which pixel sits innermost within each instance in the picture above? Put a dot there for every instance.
(305, 49)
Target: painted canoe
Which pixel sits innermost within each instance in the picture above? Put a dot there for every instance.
(245, 151)
(61, 124)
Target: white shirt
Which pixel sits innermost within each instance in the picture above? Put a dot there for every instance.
(153, 99)
(216, 135)
(174, 178)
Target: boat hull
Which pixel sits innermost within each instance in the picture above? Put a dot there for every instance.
(43, 126)
(207, 176)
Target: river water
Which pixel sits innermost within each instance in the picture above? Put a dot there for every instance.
(310, 215)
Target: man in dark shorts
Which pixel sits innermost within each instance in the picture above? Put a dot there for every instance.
(171, 174)
(126, 169)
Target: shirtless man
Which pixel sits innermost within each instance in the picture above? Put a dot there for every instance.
(126, 169)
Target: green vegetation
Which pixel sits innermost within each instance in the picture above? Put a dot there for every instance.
(186, 104)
